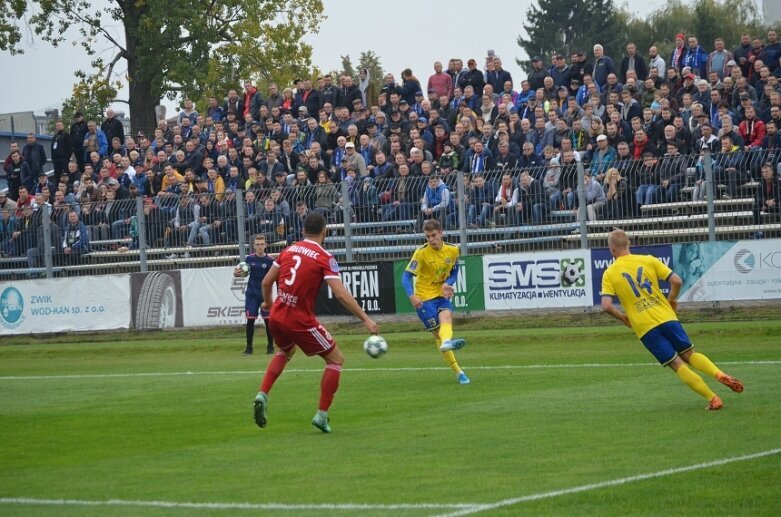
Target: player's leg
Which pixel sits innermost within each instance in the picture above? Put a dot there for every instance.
(657, 342)
(332, 372)
(328, 386)
(269, 337)
(676, 334)
(274, 369)
(695, 383)
(251, 309)
(445, 315)
(702, 363)
(441, 336)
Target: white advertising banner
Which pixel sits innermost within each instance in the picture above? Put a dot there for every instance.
(213, 297)
(536, 280)
(721, 271)
(65, 304)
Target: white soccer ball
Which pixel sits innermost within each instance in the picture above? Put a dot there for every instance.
(375, 346)
(570, 273)
(244, 268)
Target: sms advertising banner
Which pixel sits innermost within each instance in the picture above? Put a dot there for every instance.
(722, 271)
(468, 288)
(64, 305)
(535, 280)
(371, 284)
(601, 259)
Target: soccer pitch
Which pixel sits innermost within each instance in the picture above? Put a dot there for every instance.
(557, 421)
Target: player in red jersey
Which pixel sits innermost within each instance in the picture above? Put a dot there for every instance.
(299, 272)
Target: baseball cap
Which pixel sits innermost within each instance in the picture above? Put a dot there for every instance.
(536, 58)
(688, 76)
(744, 96)
(113, 181)
(601, 138)
(402, 101)
(349, 144)
(418, 93)
(78, 114)
(423, 119)
(731, 62)
(432, 90)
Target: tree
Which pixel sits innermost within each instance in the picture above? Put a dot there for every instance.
(91, 95)
(568, 26)
(347, 67)
(174, 47)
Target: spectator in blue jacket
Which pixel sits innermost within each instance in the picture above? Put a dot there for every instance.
(94, 140)
(603, 66)
(696, 58)
(437, 202)
(75, 239)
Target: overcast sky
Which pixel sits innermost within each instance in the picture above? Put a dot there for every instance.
(403, 33)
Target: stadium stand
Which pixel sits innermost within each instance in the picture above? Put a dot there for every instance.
(504, 169)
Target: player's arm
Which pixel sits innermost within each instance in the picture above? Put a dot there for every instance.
(675, 287)
(406, 283)
(268, 281)
(345, 298)
(608, 307)
(450, 281)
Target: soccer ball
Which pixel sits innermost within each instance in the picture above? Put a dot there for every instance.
(570, 273)
(375, 346)
(244, 268)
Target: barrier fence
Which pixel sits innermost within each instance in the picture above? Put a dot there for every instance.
(565, 205)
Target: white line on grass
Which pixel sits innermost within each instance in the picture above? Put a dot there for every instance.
(320, 370)
(234, 506)
(461, 508)
(609, 483)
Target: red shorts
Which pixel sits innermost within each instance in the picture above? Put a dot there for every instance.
(315, 340)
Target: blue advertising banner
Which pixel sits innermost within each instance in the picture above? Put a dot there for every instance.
(601, 259)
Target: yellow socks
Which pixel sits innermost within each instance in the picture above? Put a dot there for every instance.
(449, 357)
(694, 381)
(703, 364)
(445, 331)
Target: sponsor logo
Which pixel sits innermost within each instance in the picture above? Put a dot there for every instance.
(11, 308)
(744, 261)
(334, 265)
(238, 287)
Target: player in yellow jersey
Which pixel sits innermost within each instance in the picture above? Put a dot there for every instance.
(435, 264)
(634, 280)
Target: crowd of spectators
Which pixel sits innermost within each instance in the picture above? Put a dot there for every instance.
(640, 125)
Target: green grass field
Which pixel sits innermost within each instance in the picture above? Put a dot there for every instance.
(557, 421)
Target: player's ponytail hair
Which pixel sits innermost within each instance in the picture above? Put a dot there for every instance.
(314, 224)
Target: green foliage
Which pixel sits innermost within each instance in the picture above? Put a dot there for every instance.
(347, 67)
(92, 94)
(171, 47)
(568, 26)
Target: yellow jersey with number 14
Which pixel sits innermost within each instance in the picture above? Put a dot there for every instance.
(634, 280)
(431, 268)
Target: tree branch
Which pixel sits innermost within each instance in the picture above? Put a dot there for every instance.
(114, 61)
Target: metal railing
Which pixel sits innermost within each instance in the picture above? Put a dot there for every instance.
(555, 206)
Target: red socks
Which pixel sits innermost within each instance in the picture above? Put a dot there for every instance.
(273, 371)
(328, 385)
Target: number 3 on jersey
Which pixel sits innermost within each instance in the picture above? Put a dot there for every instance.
(293, 270)
(641, 283)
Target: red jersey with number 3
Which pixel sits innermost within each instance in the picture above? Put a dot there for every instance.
(302, 268)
